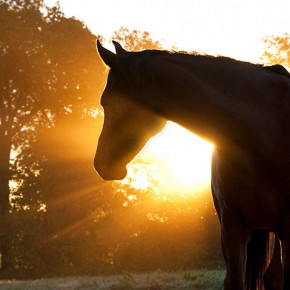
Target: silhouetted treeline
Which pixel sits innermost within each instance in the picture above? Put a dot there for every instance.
(48, 69)
(57, 217)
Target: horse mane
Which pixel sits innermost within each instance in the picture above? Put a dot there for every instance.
(156, 52)
(144, 56)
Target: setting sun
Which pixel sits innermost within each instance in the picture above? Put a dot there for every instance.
(183, 160)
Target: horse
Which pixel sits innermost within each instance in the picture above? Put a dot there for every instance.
(240, 107)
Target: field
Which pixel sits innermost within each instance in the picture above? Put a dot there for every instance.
(199, 279)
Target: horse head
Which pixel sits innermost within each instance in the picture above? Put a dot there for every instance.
(128, 124)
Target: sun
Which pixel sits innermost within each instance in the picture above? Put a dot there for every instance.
(183, 158)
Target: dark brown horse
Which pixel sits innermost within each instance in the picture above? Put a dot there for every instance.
(244, 109)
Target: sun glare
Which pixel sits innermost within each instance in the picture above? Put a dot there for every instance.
(183, 158)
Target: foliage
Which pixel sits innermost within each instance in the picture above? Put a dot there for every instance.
(135, 39)
(45, 72)
(277, 50)
(49, 68)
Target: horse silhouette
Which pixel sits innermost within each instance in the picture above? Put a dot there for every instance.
(243, 109)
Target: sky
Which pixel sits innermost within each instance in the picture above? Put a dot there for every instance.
(234, 28)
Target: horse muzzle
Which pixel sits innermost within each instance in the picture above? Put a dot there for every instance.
(110, 172)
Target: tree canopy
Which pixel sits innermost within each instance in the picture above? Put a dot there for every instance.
(49, 68)
(277, 50)
(135, 39)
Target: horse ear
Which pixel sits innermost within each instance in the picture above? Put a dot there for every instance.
(118, 47)
(109, 58)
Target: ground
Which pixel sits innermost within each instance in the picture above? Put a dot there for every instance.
(187, 280)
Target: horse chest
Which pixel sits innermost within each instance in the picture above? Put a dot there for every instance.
(256, 205)
(250, 196)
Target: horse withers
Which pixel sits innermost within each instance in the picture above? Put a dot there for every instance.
(240, 107)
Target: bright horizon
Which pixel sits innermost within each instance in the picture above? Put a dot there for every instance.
(231, 28)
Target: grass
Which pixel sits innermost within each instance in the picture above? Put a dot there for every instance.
(190, 280)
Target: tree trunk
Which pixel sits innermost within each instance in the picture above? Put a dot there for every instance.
(5, 218)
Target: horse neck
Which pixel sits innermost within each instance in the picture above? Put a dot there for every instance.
(211, 97)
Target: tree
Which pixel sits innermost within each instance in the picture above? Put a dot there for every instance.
(135, 40)
(277, 50)
(49, 67)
